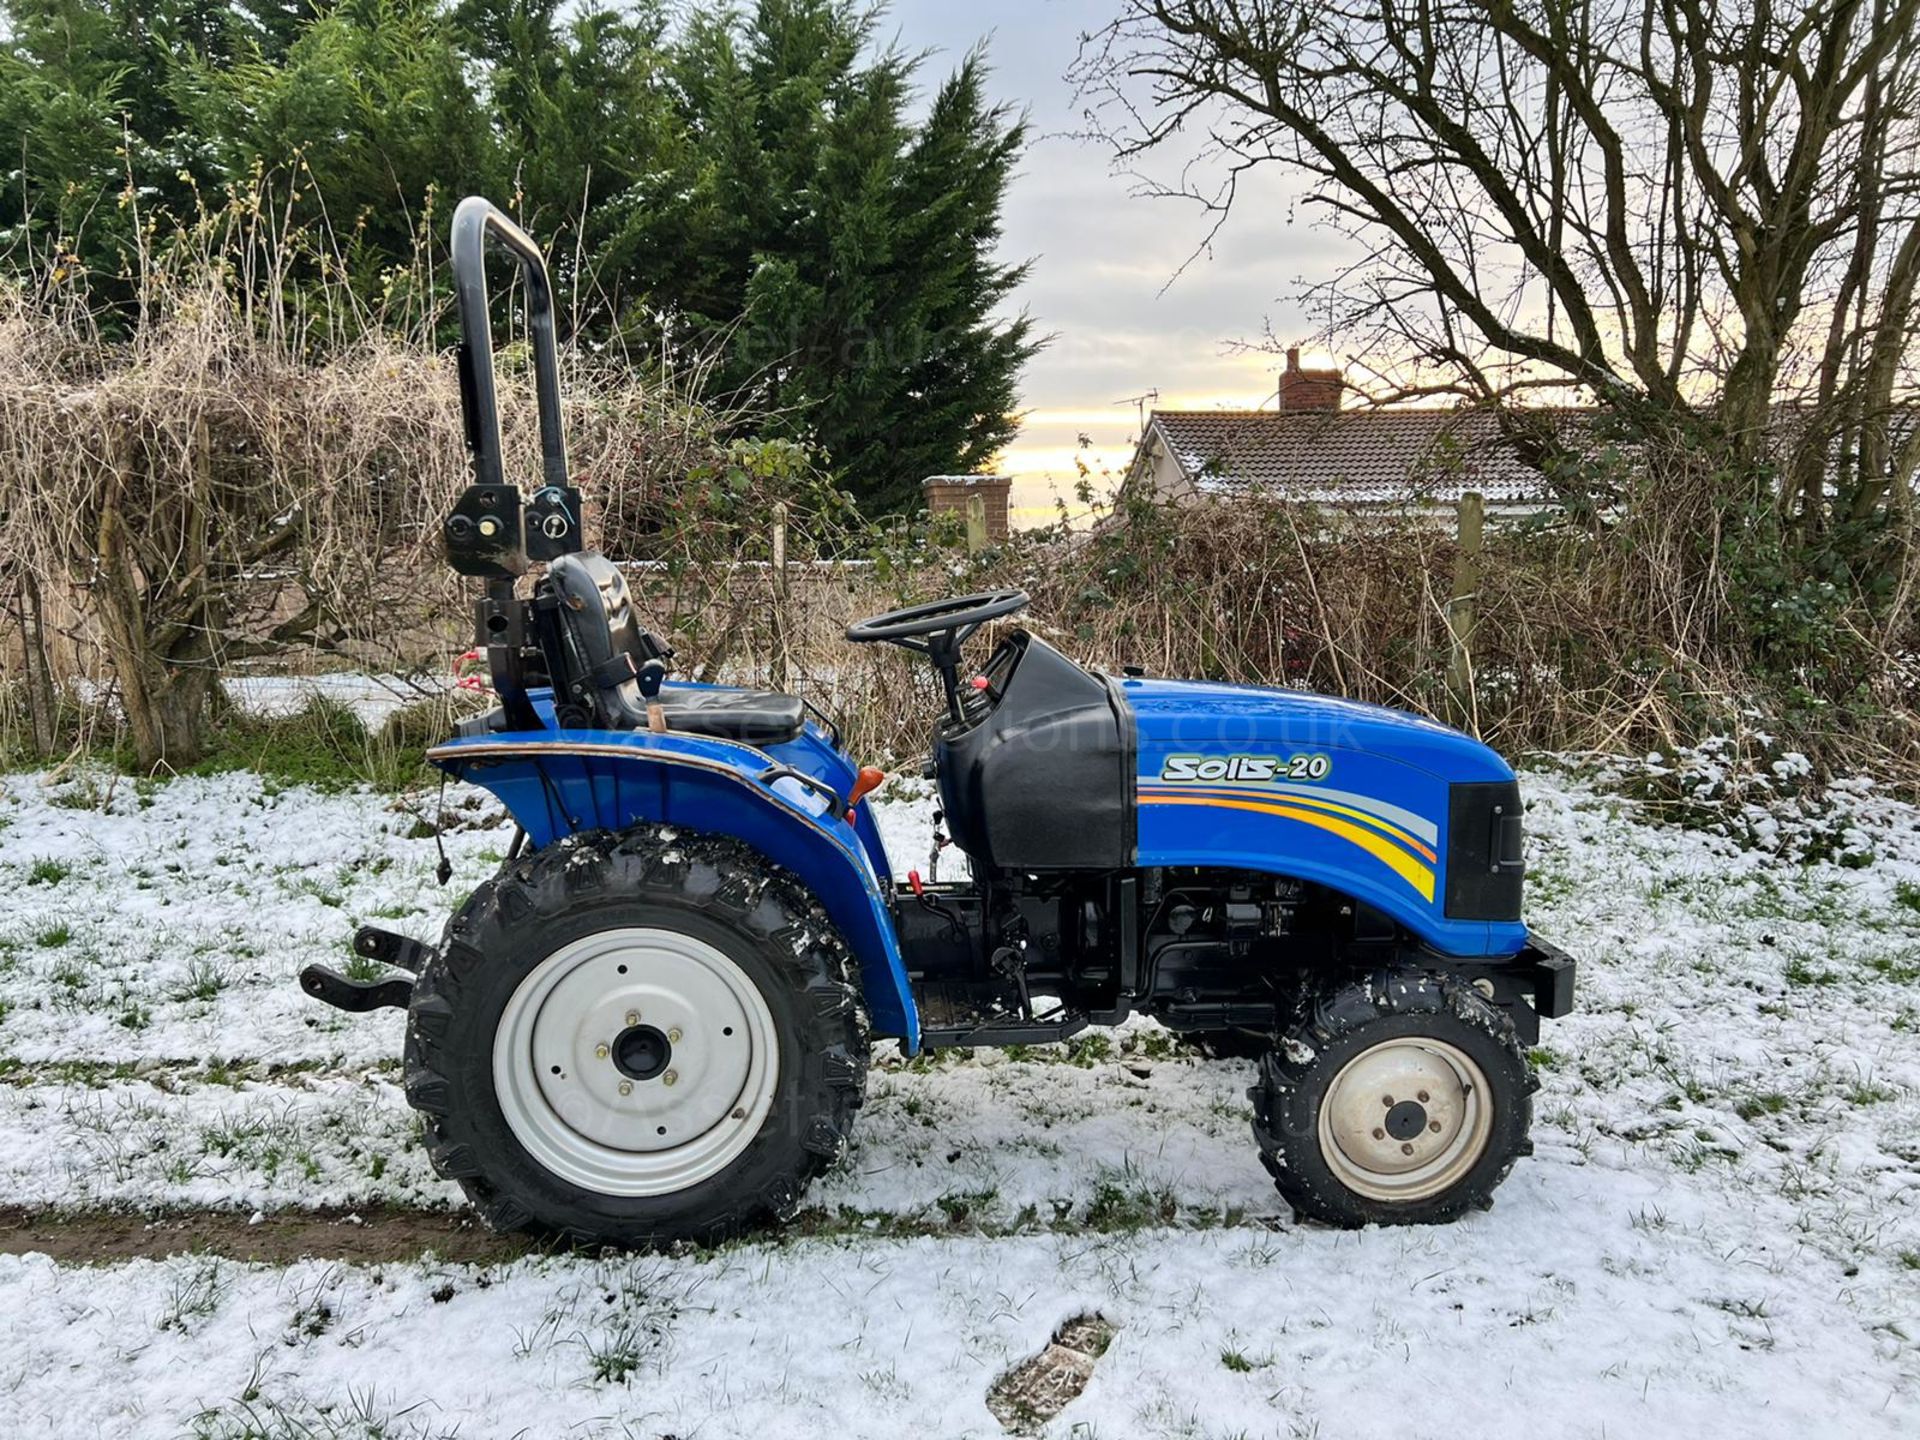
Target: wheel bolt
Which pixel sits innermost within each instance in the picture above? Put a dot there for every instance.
(1387, 1100)
(1423, 1097)
(626, 1087)
(671, 1077)
(599, 1052)
(633, 1017)
(673, 1036)
(1379, 1134)
(740, 1113)
(1406, 1149)
(1434, 1127)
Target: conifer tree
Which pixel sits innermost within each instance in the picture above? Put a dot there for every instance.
(756, 190)
(843, 253)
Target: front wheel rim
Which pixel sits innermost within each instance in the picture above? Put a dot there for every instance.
(636, 1062)
(1406, 1120)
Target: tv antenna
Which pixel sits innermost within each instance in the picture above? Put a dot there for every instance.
(1139, 403)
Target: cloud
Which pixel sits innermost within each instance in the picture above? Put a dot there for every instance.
(1115, 279)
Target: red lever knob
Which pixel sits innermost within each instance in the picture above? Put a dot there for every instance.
(870, 778)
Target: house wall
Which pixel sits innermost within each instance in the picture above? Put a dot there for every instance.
(1155, 466)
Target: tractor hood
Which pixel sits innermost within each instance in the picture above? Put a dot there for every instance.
(1048, 766)
(1418, 821)
(1218, 719)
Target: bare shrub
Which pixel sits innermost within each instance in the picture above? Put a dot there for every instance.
(239, 476)
(1600, 638)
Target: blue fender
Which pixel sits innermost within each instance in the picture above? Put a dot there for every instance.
(556, 782)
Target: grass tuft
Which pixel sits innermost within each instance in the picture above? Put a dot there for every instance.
(206, 978)
(323, 745)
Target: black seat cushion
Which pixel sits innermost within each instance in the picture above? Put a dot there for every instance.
(754, 717)
(602, 653)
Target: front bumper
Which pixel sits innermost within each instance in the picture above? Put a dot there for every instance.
(1551, 971)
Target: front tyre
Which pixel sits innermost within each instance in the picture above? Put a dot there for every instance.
(1404, 1100)
(638, 1038)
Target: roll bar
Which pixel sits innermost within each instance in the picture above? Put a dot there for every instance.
(474, 220)
(494, 531)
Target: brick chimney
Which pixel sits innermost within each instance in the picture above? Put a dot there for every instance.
(1309, 389)
(947, 494)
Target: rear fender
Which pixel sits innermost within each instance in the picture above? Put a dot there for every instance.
(558, 782)
(814, 752)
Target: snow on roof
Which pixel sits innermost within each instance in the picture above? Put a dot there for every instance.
(1348, 456)
(1389, 456)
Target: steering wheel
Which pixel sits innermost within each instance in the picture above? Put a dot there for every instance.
(937, 629)
(966, 612)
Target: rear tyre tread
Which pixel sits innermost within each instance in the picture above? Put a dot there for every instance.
(654, 865)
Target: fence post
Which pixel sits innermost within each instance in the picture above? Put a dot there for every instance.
(779, 661)
(976, 523)
(42, 705)
(1468, 536)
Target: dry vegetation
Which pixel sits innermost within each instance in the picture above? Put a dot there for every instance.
(229, 488)
(218, 482)
(1602, 638)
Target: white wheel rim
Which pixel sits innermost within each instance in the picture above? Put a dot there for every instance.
(1405, 1120)
(666, 1016)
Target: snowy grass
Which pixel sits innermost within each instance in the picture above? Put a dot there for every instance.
(1720, 1232)
(1563, 1316)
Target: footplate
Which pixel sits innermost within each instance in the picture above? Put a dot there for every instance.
(990, 1031)
(356, 996)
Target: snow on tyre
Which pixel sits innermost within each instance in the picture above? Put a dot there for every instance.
(1403, 1100)
(638, 1038)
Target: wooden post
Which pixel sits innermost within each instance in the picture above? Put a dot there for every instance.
(779, 661)
(976, 523)
(42, 698)
(1460, 609)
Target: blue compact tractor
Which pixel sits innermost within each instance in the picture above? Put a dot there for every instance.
(654, 1022)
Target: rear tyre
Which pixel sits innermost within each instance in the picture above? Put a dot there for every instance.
(635, 1039)
(1401, 1101)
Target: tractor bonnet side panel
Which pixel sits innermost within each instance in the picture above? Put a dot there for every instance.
(1409, 817)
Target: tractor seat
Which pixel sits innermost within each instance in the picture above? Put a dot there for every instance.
(753, 717)
(603, 647)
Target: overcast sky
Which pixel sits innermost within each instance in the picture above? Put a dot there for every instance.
(1102, 258)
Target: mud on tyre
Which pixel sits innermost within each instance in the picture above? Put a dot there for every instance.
(637, 1038)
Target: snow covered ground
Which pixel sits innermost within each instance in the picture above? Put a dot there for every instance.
(374, 698)
(1719, 1234)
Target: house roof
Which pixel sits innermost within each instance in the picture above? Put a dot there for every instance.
(1388, 456)
(1349, 456)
